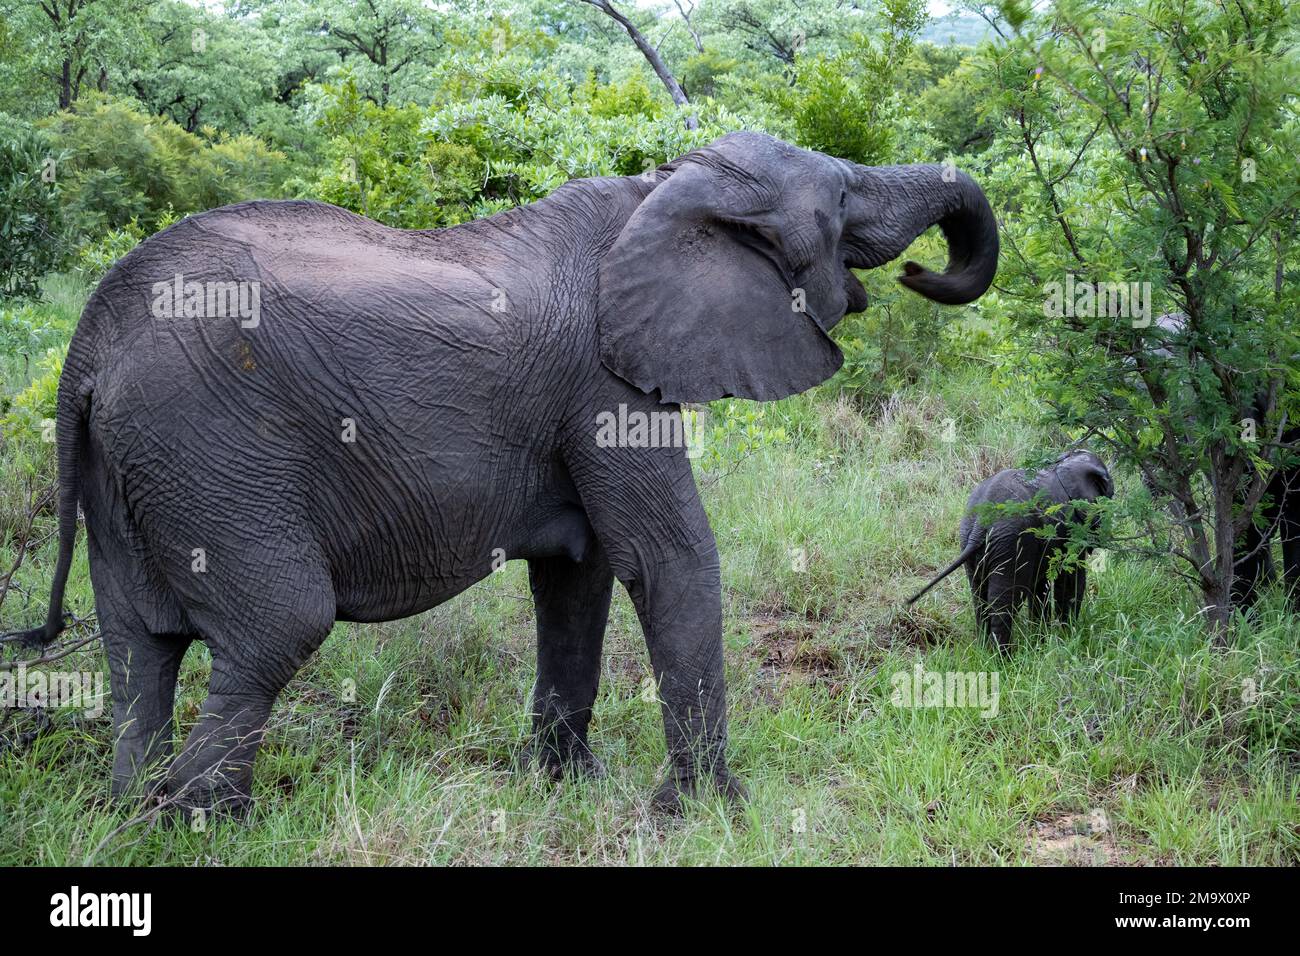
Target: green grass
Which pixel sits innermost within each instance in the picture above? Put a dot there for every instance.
(1126, 738)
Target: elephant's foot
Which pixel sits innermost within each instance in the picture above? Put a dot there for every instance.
(183, 800)
(213, 774)
(148, 785)
(196, 806)
(681, 784)
(566, 758)
(202, 798)
(999, 635)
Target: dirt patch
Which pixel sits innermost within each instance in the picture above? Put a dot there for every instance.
(1074, 839)
(626, 666)
(787, 650)
(626, 671)
(915, 628)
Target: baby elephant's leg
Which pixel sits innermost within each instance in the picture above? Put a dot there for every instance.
(1068, 591)
(1001, 608)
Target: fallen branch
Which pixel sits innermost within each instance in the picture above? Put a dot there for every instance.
(53, 653)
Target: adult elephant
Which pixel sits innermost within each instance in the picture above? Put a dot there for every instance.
(405, 409)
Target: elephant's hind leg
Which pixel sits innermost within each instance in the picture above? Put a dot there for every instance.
(263, 629)
(145, 635)
(143, 668)
(979, 598)
(1000, 609)
(572, 601)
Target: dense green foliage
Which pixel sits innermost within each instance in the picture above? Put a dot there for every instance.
(1165, 161)
(124, 165)
(31, 240)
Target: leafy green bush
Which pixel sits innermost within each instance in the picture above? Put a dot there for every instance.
(27, 425)
(740, 428)
(96, 257)
(503, 130)
(125, 165)
(631, 97)
(890, 346)
(380, 164)
(550, 130)
(848, 104)
(837, 110)
(26, 329)
(700, 74)
(99, 255)
(31, 239)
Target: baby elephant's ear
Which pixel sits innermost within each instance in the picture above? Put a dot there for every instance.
(1096, 477)
(1087, 478)
(697, 297)
(1105, 483)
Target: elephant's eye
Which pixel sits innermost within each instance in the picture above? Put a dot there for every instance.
(843, 197)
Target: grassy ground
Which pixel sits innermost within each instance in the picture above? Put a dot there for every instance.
(1123, 739)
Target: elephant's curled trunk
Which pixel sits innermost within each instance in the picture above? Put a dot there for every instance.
(895, 204)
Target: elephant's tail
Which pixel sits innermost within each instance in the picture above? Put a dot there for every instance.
(70, 435)
(957, 563)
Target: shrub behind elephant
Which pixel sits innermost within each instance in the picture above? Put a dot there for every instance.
(1010, 560)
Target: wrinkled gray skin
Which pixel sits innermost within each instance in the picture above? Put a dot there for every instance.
(473, 362)
(1008, 561)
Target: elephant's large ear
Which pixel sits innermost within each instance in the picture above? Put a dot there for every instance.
(697, 296)
(1105, 485)
(1086, 478)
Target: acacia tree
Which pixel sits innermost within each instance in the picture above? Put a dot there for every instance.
(1154, 142)
(384, 41)
(848, 104)
(206, 69)
(76, 44)
(651, 54)
(786, 29)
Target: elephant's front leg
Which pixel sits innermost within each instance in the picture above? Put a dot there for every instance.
(1068, 591)
(679, 602)
(643, 504)
(572, 600)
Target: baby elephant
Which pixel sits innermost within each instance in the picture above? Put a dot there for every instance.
(1008, 558)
